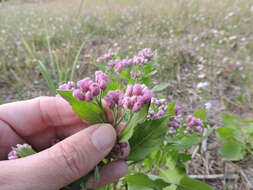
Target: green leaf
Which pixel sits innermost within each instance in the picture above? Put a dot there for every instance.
(138, 187)
(146, 80)
(147, 137)
(232, 149)
(125, 74)
(192, 184)
(228, 121)
(140, 179)
(186, 142)
(24, 151)
(88, 111)
(225, 133)
(172, 175)
(160, 87)
(96, 176)
(171, 109)
(113, 86)
(201, 114)
(171, 187)
(137, 118)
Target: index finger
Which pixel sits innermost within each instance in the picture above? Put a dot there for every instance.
(36, 115)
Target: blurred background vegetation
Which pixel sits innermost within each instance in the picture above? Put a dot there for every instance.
(204, 48)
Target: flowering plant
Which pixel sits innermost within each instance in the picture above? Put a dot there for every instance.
(149, 129)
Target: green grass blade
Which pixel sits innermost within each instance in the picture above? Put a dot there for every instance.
(47, 77)
(75, 61)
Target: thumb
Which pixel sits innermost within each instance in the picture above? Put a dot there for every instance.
(65, 162)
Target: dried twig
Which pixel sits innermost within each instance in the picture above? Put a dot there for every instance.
(216, 176)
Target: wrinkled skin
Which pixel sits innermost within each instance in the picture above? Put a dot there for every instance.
(41, 122)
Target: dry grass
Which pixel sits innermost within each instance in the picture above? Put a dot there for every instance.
(205, 52)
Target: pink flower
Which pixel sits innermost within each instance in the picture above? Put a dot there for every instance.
(137, 89)
(146, 53)
(84, 84)
(101, 79)
(105, 57)
(136, 96)
(118, 68)
(137, 107)
(94, 89)
(127, 103)
(178, 110)
(89, 96)
(129, 90)
(113, 98)
(67, 86)
(78, 94)
(12, 155)
(139, 60)
(147, 96)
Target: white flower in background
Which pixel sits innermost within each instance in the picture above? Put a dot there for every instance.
(251, 8)
(232, 38)
(229, 15)
(200, 67)
(202, 85)
(238, 63)
(201, 76)
(208, 105)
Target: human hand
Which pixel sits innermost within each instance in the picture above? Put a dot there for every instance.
(40, 122)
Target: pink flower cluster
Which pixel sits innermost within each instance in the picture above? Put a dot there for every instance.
(67, 86)
(194, 124)
(141, 59)
(146, 53)
(190, 125)
(120, 64)
(179, 110)
(160, 105)
(134, 98)
(88, 89)
(14, 154)
(175, 121)
(174, 124)
(105, 57)
(113, 98)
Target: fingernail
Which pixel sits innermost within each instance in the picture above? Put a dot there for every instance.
(103, 137)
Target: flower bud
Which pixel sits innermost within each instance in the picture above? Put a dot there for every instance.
(77, 93)
(189, 118)
(137, 89)
(146, 53)
(89, 96)
(121, 150)
(199, 128)
(84, 84)
(67, 86)
(12, 155)
(178, 110)
(119, 129)
(129, 90)
(94, 88)
(127, 103)
(137, 107)
(147, 96)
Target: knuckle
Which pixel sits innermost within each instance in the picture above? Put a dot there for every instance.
(72, 160)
